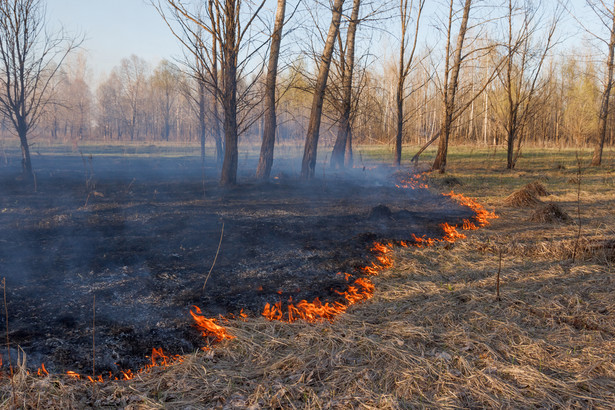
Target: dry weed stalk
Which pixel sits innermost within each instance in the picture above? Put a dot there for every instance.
(8, 342)
(215, 258)
(94, 337)
(497, 287)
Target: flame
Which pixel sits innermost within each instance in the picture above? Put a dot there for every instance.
(411, 181)
(482, 216)
(73, 375)
(347, 276)
(316, 311)
(208, 327)
(450, 233)
(128, 374)
(421, 242)
(41, 370)
(361, 289)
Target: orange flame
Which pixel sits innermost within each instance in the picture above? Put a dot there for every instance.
(208, 327)
(361, 289)
(73, 375)
(409, 181)
(450, 233)
(482, 216)
(422, 241)
(41, 370)
(317, 311)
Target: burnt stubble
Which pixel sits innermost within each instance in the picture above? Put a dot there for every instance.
(148, 235)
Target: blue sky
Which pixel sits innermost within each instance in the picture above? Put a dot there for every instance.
(115, 29)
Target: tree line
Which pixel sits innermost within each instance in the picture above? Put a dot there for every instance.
(267, 71)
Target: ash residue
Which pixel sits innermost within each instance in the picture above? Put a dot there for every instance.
(144, 244)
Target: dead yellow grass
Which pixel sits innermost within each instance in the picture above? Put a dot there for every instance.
(433, 336)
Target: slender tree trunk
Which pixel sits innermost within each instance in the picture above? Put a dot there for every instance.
(345, 129)
(311, 142)
(266, 157)
(399, 99)
(216, 112)
(26, 162)
(604, 106)
(450, 91)
(229, 69)
(202, 125)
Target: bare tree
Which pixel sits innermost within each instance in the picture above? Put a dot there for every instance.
(343, 145)
(133, 72)
(519, 77)
(228, 25)
(607, 17)
(451, 82)
(405, 65)
(266, 157)
(308, 164)
(165, 83)
(29, 59)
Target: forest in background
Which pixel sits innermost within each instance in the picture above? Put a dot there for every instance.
(519, 80)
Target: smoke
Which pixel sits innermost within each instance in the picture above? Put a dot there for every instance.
(149, 233)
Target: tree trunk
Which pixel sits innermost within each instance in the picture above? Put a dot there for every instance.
(449, 95)
(399, 99)
(311, 142)
(266, 157)
(26, 162)
(604, 106)
(343, 135)
(229, 70)
(216, 112)
(202, 125)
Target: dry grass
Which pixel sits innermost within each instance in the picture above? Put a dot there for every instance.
(523, 198)
(549, 213)
(537, 189)
(433, 335)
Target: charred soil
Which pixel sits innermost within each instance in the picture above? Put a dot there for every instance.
(140, 235)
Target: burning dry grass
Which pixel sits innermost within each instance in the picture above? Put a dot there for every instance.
(433, 334)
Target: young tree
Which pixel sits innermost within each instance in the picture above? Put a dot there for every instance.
(266, 157)
(525, 56)
(29, 59)
(228, 24)
(308, 164)
(607, 17)
(133, 75)
(405, 65)
(165, 83)
(451, 82)
(344, 136)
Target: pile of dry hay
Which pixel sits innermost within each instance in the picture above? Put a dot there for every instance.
(550, 213)
(527, 196)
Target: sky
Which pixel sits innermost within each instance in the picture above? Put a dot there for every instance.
(115, 29)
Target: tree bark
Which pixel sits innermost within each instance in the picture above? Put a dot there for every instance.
(343, 141)
(266, 157)
(604, 106)
(202, 125)
(228, 175)
(448, 105)
(308, 164)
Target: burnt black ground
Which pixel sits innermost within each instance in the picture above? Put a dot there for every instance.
(148, 236)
